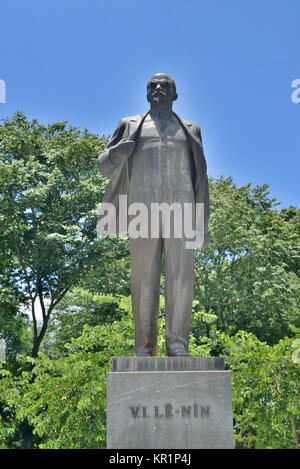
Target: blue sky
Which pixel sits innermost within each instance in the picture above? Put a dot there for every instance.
(233, 61)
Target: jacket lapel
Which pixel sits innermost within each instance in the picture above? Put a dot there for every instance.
(187, 128)
(134, 133)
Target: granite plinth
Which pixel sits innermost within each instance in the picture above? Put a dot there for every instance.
(167, 363)
(169, 409)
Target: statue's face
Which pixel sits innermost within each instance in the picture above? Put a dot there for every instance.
(161, 90)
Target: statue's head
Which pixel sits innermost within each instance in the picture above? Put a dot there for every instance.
(161, 90)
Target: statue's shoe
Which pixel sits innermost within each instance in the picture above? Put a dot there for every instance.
(175, 350)
(144, 354)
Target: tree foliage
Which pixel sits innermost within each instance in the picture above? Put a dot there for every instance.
(246, 304)
(64, 399)
(249, 274)
(49, 191)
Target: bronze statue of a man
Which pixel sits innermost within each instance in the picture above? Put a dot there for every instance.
(157, 158)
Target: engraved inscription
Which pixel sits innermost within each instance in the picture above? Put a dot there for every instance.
(186, 411)
(157, 414)
(134, 412)
(168, 411)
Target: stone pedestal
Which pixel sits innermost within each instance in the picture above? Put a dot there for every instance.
(169, 403)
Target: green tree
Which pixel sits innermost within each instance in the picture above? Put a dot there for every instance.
(265, 390)
(247, 277)
(111, 275)
(13, 324)
(64, 398)
(49, 190)
(78, 308)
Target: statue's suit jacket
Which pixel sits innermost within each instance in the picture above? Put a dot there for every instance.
(129, 129)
